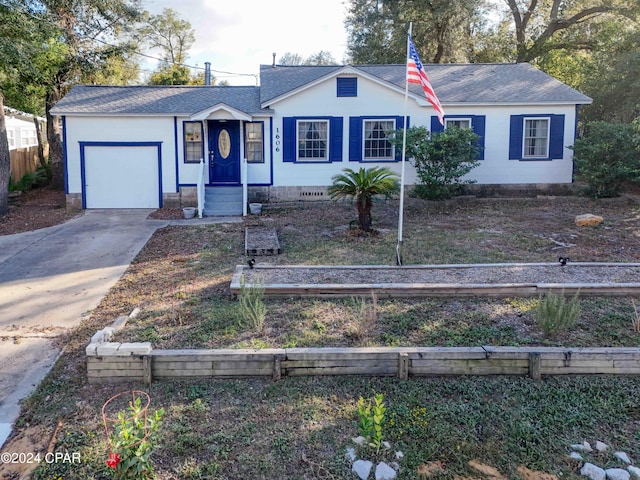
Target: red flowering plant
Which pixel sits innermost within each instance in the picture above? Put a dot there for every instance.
(132, 437)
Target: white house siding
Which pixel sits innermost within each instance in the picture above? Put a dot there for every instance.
(497, 168)
(377, 100)
(321, 100)
(260, 173)
(21, 133)
(114, 131)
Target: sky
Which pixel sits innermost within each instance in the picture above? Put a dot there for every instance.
(236, 36)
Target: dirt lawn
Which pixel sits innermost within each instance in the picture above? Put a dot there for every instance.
(457, 231)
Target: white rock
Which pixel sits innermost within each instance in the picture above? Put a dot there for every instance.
(399, 455)
(362, 468)
(587, 446)
(634, 471)
(593, 472)
(622, 456)
(385, 472)
(617, 474)
(575, 456)
(396, 466)
(359, 440)
(601, 447)
(578, 447)
(386, 445)
(351, 454)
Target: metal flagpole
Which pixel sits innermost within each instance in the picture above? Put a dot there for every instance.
(404, 154)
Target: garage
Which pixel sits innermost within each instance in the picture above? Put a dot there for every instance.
(121, 175)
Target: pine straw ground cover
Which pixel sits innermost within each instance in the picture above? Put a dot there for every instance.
(298, 428)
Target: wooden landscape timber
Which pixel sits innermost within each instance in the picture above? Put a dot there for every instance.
(600, 286)
(401, 362)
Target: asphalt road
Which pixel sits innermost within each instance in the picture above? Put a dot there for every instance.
(49, 279)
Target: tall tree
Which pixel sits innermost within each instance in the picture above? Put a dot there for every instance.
(377, 29)
(5, 162)
(543, 26)
(62, 42)
(175, 74)
(174, 37)
(169, 33)
(322, 57)
(291, 59)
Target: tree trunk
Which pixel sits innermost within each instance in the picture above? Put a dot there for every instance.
(36, 122)
(364, 214)
(5, 162)
(54, 137)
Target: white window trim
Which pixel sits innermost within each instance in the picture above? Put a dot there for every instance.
(260, 142)
(187, 142)
(524, 137)
(11, 137)
(364, 140)
(25, 134)
(458, 119)
(328, 140)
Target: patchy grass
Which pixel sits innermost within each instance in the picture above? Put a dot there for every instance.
(298, 428)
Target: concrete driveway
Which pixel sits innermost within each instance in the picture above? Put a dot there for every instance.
(49, 279)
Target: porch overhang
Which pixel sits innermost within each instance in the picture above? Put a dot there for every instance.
(221, 111)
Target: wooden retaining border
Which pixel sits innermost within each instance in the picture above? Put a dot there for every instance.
(111, 362)
(435, 289)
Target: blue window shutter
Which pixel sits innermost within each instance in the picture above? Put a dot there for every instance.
(355, 139)
(556, 137)
(436, 126)
(335, 142)
(478, 123)
(347, 87)
(515, 137)
(399, 126)
(289, 139)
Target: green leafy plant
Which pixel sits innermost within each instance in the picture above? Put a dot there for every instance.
(133, 441)
(371, 418)
(607, 157)
(555, 313)
(30, 180)
(441, 159)
(252, 307)
(363, 185)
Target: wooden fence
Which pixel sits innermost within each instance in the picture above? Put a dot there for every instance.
(115, 362)
(25, 160)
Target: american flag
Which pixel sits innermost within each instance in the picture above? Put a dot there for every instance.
(416, 74)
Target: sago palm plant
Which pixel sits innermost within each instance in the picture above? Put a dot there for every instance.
(363, 185)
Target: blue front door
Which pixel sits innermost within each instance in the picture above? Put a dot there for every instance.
(224, 152)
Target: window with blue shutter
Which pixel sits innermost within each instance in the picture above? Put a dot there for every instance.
(347, 86)
(368, 139)
(312, 139)
(478, 125)
(536, 137)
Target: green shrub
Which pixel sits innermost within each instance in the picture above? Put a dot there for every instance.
(252, 307)
(608, 157)
(132, 442)
(441, 159)
(31, 179)
(555, 313)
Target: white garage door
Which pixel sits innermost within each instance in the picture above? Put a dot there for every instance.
(122, 177)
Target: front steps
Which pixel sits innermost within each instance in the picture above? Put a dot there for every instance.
(222, 201)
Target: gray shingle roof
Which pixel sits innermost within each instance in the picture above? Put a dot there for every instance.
(156, 100)
(453, 83)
